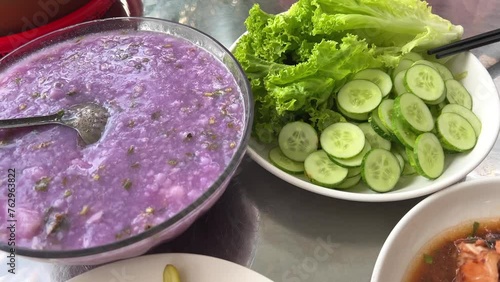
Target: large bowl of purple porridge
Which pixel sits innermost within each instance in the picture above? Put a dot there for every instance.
(180, 117)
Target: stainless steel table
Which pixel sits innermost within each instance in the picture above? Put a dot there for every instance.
(266, 224)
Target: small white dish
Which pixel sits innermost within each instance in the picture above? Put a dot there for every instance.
(191, 267)
(468, 201)
(486, 105)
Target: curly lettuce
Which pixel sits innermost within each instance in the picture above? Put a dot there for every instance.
(297, 61)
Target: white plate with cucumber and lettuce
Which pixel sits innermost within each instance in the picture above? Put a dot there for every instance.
(349, 106)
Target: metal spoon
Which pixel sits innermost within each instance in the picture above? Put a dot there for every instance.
(88, 119)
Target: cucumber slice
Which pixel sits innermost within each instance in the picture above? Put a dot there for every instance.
(413, 112)
(412, 56)
(284, 163)
(455, 132)
(377, 76)
(411, 158)
(297, 140)
(342, 140)
(435, 111)
(465, 113)
(398, 148)
(425, 82)
(322, 171)
(401, 161)
(457, 94)
(428, 156)
(408, 169)
(424, 62)
(353, 171)
(399, 83)
(438, 101)
(379, 127)
(349, 182)
(354, 161)
(384, 112)
(403, 65)
(403, 132)
(372, 137)
(443, 71)
(352, 116)
(359, 96)
(460, 76)
(380, 170)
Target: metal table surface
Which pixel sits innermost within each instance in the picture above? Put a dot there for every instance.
(283, 232)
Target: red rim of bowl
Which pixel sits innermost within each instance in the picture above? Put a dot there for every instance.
(92, 10)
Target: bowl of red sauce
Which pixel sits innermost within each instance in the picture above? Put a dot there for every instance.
(453, 235)
(179, 121)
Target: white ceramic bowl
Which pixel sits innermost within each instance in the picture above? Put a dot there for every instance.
(461, 203)
(486, 106)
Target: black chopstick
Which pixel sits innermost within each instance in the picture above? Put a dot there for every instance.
(466, 44)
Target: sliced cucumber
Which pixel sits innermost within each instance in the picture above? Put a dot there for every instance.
(297, 140)
(403, 132)
(359, 96)
(443, 71)
(352, 116)
(399, 83)
(354, 171)
(379, 127)
(460, 76)
(438, 101)
(348, 182)
(428, 156)
(408, 169)
(384, 112)
(424, 62)
(354, 161)
(413, 112)
(375, 140)
(435, 111)
(377, 76)
(400, 160)
(380, 170)
(412, 56)
(465, 113)
(411, 158)
(342, 140)
(322, 171)
(455, 132)
(403, 65)
(457, 94)
(284, 163)
(425, 82)
(400, 149)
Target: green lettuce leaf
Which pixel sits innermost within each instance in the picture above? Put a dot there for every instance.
(407, 24)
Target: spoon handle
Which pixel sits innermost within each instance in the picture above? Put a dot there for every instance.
(30, 121)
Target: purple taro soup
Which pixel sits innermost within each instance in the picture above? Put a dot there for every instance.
(176, 119)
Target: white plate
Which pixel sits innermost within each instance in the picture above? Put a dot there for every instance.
(486, 106)
(465, 202)
(192, 268)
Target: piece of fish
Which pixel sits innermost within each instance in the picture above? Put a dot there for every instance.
(476, 261)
